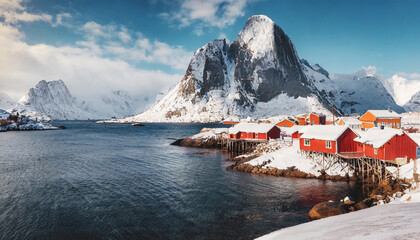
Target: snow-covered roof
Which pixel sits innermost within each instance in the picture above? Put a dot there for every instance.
(384, 114)
(324, 132)
(415, 137)
(301, 116)
(292, 119)
(220, 130)
(231, 119)
(316, 114)
(293, 129)
(378, 137)
(351, 121)
(251, 127)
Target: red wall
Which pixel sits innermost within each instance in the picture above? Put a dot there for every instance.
(274, 133)
(317, 146)
(316, 120)
(345, 142)
(397, 147)
(296, 135)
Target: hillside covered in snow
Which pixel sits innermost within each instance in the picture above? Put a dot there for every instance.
(53, 100)
(261, 75)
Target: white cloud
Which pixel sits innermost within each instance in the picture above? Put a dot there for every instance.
(104, 59)
(59, 19)
(12, 11)
(370, 70)
(85, 73)
(214, 13)
(124, 35)
(115, 40)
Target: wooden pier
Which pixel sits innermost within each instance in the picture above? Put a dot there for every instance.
(369, 170)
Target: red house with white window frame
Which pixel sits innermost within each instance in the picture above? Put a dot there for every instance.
(254, 131)
(328, 139)
(387, 144)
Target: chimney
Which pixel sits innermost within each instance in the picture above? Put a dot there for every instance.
(389, 108)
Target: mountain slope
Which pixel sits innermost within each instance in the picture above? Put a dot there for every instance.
(52, 100)
(361, 91)
(5, 101)
(259, 74)
(402, 88)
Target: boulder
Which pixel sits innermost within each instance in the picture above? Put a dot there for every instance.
(360, 205)
(326, 209)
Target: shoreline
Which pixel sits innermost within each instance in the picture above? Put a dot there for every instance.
(257, 161)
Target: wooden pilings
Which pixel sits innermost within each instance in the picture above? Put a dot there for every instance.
(369, 170)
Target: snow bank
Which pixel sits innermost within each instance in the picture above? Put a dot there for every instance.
(379, 222)
(289, 156)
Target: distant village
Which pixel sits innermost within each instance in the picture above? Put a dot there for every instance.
(16, 122)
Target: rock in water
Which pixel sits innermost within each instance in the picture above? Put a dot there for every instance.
(326, 209)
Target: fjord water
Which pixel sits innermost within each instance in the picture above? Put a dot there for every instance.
(115, 181)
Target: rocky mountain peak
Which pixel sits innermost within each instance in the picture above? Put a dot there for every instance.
(258, 35)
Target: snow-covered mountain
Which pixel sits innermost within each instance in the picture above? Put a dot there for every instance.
(259, 74)
(116, 104)
(53, 100)
(5, 101)
(361, 91)
(352, 93)
(403, 89)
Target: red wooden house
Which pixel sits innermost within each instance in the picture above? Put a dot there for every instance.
(295, 132)
(387, 144)
(328, 139)
(254, 131)
(316, 119)
(301, 119)
(288, 122)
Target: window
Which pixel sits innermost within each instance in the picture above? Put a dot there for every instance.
(375, 151)
(328, 144)
(398, 125)
(307, 142)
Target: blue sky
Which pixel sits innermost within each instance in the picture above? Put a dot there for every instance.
(161, 35)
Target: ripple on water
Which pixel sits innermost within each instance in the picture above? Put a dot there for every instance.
(113, 181)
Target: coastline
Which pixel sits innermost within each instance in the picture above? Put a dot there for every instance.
(282, 159)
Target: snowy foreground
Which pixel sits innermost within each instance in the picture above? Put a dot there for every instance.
(392, 221)
(400, 219)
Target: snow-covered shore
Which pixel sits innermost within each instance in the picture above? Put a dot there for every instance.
(288, 156)
(28, 127)
(389, 221)
(400, 219)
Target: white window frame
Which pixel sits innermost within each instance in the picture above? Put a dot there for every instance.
(328, 143)
(306, 142)
(375, 151)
